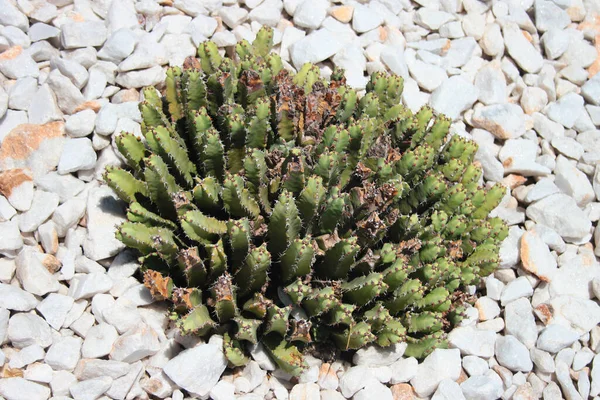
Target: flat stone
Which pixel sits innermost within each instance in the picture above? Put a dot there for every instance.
(520, 49)
(492, 42)
(198, 369)
(428, 76)
(92, 368)
(474, 366)
(68, 96)
(21, 389)
(403, 370)
(159, 385)
(233, 16)
(505, 121)
(65, 186)
(448, 390)
(536, 257)
(54, 308)
(27, 329)
(482, 387)
(12, 241)
(122, 316)
(516, 289)
(91, 389)
(68, 215)
(26, 356)
(566, 110)
(99, 341)
(310, 14)
(16, 63)
(142, 78)
(453, 96)
(16, 299)
(556, 42)
(38, 372)
(373, 389)
(513, 354)
(78, 154)
(315, 47)
(561, 213)
(533, 100)
(591, 90)
(61, 382)
(575, 313)
(471, 341)
(548, 15)
(461, 51)
(42, 207)
(105, 211)
(83, 34)
(123, 385)
(11, 15)
(354, 379)
(520, 322)
(86, 286)
(224, 390)
(33, 274)
(491, 83)
(118, 46)
(556, 337)
(573, 182)
(568, 146)
(364, 19)
(64, 354)
(564, 379)
(436, 367)
(136, 344)
(378, 356)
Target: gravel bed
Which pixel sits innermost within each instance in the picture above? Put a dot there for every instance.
(520, 77)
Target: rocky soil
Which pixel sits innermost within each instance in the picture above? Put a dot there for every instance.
(520, 77)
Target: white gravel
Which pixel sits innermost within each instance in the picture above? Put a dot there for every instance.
(519, 77)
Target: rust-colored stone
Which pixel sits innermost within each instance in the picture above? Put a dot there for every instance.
(11, 179)
(342, 13)
(11, 53)
(91, 105)
(403, 391)
(26, 138)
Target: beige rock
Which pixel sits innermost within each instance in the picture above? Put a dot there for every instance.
(403, 391)
(37, 147)
(342, 13)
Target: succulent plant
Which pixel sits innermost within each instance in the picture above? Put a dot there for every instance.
(288, 210)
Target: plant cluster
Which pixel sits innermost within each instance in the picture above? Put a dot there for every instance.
(288, 210)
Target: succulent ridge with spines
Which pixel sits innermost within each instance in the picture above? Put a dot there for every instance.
(288, 210)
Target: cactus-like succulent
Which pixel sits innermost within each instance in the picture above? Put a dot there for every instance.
(288, 210)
